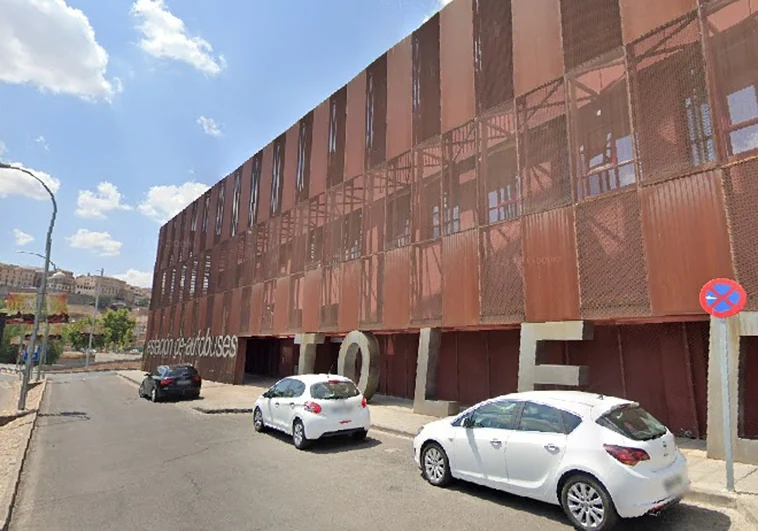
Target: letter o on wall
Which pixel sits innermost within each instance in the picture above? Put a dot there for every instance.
(368, 346)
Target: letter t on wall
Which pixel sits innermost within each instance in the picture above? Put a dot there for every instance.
(306, 363)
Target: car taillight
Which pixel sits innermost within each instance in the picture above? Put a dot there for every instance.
(625, 455)
(313, 407)
(364, 402)
(196, 378)
(167, 381)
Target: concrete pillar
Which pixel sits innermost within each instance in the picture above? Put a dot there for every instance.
(425, 396)
(533, 336)
(306, 362)
(365, 343)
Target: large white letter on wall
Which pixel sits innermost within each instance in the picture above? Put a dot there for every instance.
(368, 346)
(533, 336)
(306, 363)
(425, 396)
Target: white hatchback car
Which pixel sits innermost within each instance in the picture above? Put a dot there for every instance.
(598, 457)
(312, 406)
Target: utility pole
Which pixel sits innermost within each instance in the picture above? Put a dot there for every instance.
(94, 316)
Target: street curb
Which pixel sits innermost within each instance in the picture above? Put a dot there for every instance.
(219, 411)
(7, 506)
(392, 431)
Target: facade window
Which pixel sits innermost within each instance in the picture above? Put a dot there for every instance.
(302, 175)
(236, 201)
(220, 208)
(255, 179)
(399, 219)
(502, 185)
(206, 283)
(742, 115)
(193, 219)
(182, 281)
(376, 112)
(276, 176)
(206, 207)
(336, 139)
(425, 84)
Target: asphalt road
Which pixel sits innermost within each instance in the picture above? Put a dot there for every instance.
(102, 459)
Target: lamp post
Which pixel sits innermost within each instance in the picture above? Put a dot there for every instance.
(45, 337)
(42, 288)
(94, 316)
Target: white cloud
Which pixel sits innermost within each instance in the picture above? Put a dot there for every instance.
(141, 279)
(210, 126)
(41, 140)
(22, 238)
(13, 182)
(50, 44)
(96, 204)
(100, 243)
(164, 202)
(164, 35)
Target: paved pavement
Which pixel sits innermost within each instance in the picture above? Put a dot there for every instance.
(103, 459)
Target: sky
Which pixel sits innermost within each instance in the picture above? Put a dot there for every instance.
(130, 109)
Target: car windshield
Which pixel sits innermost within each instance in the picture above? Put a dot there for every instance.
(633, 422)
(334, 390)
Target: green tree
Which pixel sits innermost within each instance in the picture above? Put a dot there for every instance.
(8, 352)
(119, 328)
(76, 334)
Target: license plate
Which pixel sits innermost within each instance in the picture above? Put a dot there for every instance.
(343, 409)
(672, 483)
(183, 382)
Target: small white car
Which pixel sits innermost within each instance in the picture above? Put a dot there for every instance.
(598, 457)
(312, 406)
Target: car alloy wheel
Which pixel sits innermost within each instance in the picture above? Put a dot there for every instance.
(298, 435)
(154, 395)
(588, 505)
(436, 470)
(258, 420)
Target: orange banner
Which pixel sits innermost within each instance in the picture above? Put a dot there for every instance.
(21, 307)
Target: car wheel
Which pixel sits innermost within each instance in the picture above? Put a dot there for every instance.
(258, 423)
(299, 439)
(154, 395)
(141, 391)
(360, 435)
(587, 504)
(435, 466)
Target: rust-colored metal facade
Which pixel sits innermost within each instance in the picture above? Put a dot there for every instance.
(509, 161)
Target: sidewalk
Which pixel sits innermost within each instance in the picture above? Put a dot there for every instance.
(395, 415)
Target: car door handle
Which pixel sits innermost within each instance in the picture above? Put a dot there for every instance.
(551, 448)
(496, 443)
(276, 404)
(292, 405)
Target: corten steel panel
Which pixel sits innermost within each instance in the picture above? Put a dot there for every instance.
(374, 212)
(286, 240)
(580, 44)
(376, 113)
(460, 270)
(319, 149)
(747, 425)
(503, 348)
(686, 240)
(262, 242)
(426, 283)
(317, 217)
(398, 210)
(245, 189)
(425, 43)
(372, 291)
(396, 300)
(350, 300)
(311, 300)
(176, 310)
(210, 233)
(185, 237)
(352, 227)
(612, 266)
(502, 273)
(639, 17)
(426, 206)
(399, 98)
(202, 312)
(335, 205)
(396, 354)
(493, 52)
(537, 46)
(300, 237)
(459, 178)
(732, 43)
(330, 298)
(271, 266)
(697, 337)
(264, 193)
(269, 306)
(496, 149)
(233, 320)
(551, 278)
(458, 105)
(246, 303)
(335, 166)
(199, 243)
(447, 370)
(742, 198)
(296, 295)
(281, 308)
(217, 328)
(473, 367)
(603, 357)
(226, 225)
(543, 143)
(256, 309)
(355, 129)
(291, 145)
(670, 102)
(226, 312)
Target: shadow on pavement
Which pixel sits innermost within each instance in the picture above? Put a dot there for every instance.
(79, 414)
(328, 445)
(707, 519)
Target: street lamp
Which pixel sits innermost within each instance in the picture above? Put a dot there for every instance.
(94, 316)
(42, 288)
(45, 338)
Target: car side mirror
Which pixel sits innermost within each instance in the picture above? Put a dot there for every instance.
(267, 394)
(147, 375)
(468, 422)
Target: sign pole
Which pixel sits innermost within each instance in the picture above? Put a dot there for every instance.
(726, 406)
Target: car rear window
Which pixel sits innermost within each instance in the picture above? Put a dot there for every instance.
(334, 390)
(179, 372)
(633, 422)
